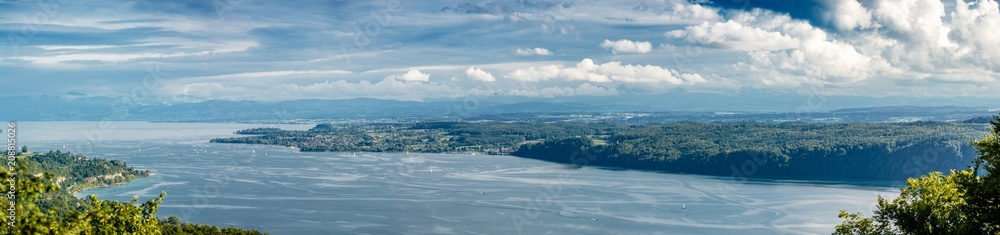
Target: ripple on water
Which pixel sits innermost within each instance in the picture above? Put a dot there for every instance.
(283, 191)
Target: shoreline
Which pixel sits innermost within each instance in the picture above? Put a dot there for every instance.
(77, 193)
(878, 183)
(890, 183)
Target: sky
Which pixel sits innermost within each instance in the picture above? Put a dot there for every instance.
(198, 50)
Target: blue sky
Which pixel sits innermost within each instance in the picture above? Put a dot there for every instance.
(188, 51)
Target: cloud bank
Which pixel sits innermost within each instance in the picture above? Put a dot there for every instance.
(337, 49)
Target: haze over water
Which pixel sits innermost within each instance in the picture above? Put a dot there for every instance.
(283, 191)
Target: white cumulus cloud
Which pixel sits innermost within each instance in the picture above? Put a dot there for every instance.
(412, 76)
(889, 46)
(734, 35)
(778, 45)
(627, 46)
(846, 14)
(588, 71)
(479, 74)
(532, 51)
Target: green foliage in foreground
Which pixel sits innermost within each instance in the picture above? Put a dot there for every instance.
(962, 202)
(173, 225)
(40, 207)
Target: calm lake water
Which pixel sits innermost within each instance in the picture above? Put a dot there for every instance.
(283, 191)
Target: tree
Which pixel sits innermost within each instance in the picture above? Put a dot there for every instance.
(931, 204)
(103, 217)
(983, 197)
(40, 207)
(858, 223)
(112, 217)
(24, 149)
(28, 217)
(962, 202)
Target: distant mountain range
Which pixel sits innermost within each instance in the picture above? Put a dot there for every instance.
(668, 107)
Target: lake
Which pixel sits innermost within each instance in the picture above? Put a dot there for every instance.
(283, 191)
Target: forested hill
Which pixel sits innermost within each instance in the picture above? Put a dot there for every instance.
(787, 150)
(75, 172)
(793, 149)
